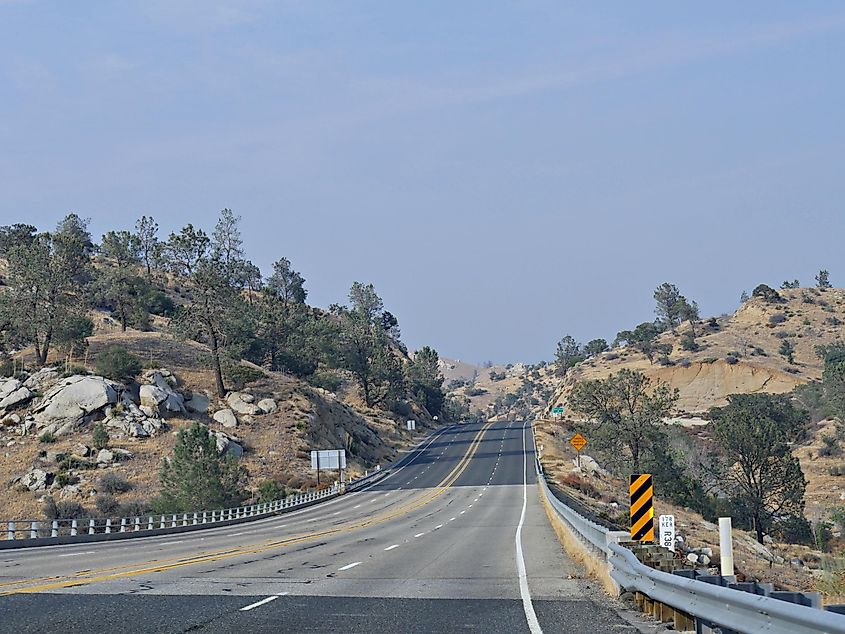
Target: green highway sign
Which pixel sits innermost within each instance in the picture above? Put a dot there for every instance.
(558, 410)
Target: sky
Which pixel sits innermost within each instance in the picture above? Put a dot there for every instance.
(504, 173)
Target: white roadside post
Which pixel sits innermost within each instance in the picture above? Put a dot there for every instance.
(726, 547)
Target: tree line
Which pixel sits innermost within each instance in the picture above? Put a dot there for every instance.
(210, 292)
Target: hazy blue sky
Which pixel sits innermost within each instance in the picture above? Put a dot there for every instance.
(503, 172)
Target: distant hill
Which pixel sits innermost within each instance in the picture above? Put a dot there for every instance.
(738, 353)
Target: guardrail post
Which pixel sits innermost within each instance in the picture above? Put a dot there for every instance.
(90, 527)
(173, 521)
(150, 523)
(195, 519)
(108, 526)
(203, 517)
(137, 523)
(54, 532)
(122, 524)
(162, 522)
(184, 519)
(74, 528)
(11, 530)
(33, 530)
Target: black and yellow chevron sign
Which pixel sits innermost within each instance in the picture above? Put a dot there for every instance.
(642, 508)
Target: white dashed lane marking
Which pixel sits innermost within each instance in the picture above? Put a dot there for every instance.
(392, 547)
(348, 566)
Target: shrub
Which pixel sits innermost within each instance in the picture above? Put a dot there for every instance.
(135, 508)
(830, 446)
(72, 462)
(731, 360)
(688, 342)
(64, 510)
(118, 364)
(100, 436)
(239, 376)
(158, 303)
(329, 381)
(114, 483)
(106, 504)
(271, 490)
(47, 438)
(73, 370)
(767, 293)
(837, 470)
(576, 482)
(476, 391)
(63, 479)
(776, 319)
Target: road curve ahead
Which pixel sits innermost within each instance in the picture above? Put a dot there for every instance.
(454, 540)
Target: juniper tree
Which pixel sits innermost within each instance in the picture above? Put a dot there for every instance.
(365, 350)
(118, 286)
(215, 313)
(149, 247)
(759, 473)
(197, 476)
(46, 277)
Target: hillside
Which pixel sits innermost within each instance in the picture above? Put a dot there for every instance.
(275, 445)
(512, 391)
(737, 353)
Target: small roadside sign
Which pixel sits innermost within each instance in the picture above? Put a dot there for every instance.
(558, 410)
(667, 531)
(578, 441)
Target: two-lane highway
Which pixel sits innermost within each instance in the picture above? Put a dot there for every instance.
(455, 538)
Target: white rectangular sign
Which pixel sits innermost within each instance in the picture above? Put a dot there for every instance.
(667, 531)
(412, 425)
(329, 459)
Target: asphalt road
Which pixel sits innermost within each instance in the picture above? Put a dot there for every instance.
(432, 548)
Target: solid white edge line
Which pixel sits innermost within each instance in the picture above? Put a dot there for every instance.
(524, 591)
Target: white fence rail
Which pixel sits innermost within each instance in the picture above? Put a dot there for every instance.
(22, 533)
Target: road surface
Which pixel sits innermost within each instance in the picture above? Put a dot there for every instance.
(432, 548)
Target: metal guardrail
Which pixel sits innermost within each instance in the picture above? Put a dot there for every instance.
(734, 609)
(728, 608)
(23, 533)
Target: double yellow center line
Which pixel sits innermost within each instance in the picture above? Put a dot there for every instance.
(43, 584)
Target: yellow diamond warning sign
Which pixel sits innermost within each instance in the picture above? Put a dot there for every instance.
(578, 441)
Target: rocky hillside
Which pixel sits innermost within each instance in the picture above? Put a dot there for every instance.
(47, 418)
(739, 353)
(512, 391)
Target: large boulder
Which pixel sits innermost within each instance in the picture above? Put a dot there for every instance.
(159, 395)
(267, 406)
(42, 380)
(105, 456)
(226, 417)
(73, 400)
(7, 386)
(36, 479)
(133, 421)
(242, 403)
(228, 445)
(198, 404)
(16, 398)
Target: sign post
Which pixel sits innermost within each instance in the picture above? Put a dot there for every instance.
(329, 459)
(579, 442)
(642, 507)
(667, 531)
(558, 411)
